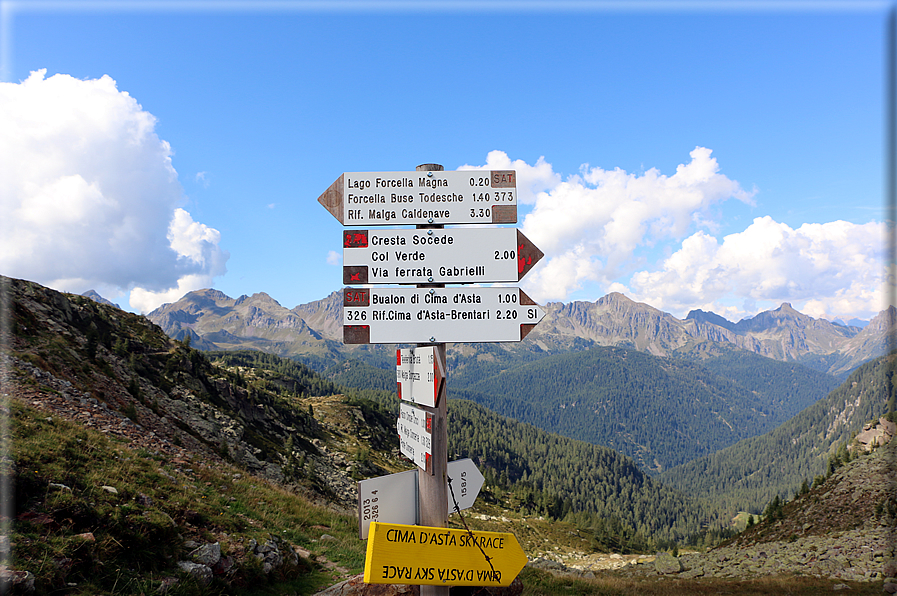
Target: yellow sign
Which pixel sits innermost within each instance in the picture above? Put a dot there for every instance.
(400, 554)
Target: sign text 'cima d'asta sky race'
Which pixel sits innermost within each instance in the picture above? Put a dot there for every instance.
(400, 554)
(420, 198)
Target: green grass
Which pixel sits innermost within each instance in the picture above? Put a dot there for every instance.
(139, 531)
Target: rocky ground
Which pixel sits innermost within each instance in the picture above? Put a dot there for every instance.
(843, 530)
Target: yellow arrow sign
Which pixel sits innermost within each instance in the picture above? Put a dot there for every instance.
(400, 554)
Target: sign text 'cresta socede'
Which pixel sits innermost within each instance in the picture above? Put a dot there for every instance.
(457, 255)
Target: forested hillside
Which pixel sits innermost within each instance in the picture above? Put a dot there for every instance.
(662, 412)
(569, 477)
(747, 475)
(544, 474)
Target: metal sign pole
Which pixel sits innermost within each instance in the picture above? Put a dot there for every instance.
(432, 488)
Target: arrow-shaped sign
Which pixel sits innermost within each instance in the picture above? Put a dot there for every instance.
(419, 375)
(465, 482)
(401, 554)
(455, 255)
(420, 198)
(393, 498)
(421, 315)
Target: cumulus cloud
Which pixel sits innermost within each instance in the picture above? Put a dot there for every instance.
(90, 198)
(590, 225)
(531, 180)
(828, 270)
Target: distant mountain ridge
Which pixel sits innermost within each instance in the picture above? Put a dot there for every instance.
(314, 329)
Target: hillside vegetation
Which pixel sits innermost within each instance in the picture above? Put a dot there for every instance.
(754, 471)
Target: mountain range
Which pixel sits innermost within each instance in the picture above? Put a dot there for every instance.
(313, 331)
(116, 373)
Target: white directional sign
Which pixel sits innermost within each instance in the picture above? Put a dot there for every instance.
(421, 198)
(393, 499)
(457, 255)
(418, 375)
(414, 443)
(466, 483)
(416, 419)
(430, 315)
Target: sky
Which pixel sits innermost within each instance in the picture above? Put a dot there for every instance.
(723, 156)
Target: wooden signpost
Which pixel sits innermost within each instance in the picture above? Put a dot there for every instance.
(431, 315)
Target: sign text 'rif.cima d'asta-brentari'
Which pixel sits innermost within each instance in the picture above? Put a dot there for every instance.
(421, 198)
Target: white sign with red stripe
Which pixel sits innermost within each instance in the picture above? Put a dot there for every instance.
(418, 376)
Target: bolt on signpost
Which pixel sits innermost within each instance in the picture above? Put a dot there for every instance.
(431, 315)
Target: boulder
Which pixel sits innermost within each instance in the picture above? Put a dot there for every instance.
(666, 563)
(202, 573)
(207, 554)
(355, 586)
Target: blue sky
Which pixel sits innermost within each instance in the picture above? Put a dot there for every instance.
(773, 117)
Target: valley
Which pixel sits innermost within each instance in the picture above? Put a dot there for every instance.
(235, 447)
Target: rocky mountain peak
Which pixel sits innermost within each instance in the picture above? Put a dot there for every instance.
(712, 318)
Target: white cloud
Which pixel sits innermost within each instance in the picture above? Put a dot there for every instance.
(531, 180)
(89, 195)
(334, 258)
(598, 219)
(833, 269)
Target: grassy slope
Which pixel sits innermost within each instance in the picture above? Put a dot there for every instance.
(138, 534)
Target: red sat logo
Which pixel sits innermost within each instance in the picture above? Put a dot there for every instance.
(355, 239)
(356, 297)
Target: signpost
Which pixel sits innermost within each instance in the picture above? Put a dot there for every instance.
(419, 376)
(444, 315)
(401, 554)
(433, 315)
(433, 197)
(457, 255)
(393, 498)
